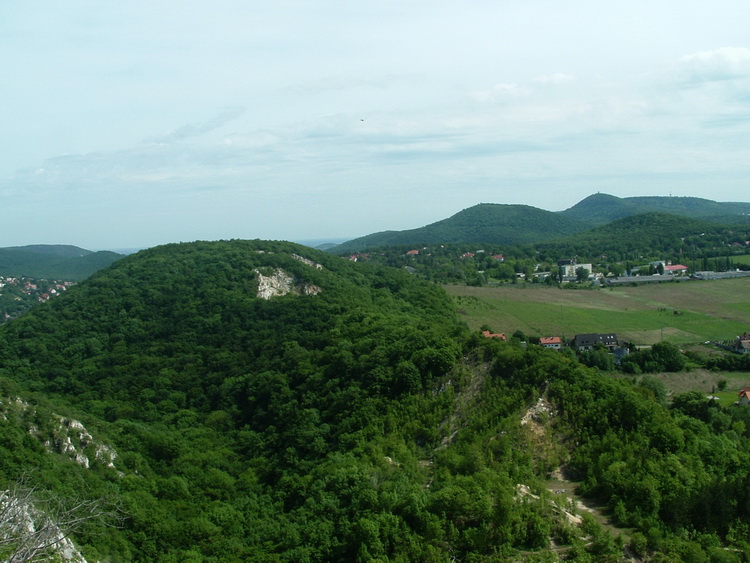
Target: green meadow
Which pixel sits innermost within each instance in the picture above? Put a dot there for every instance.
(682, 313)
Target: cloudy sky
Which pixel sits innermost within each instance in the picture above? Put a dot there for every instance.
(131, 124)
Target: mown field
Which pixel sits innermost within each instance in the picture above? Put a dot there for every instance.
(681, 313)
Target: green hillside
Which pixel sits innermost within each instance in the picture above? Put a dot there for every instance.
(485, 223)
(264, 401)
(509, 225)
(58, 262)
(651, 235)
(599, 209)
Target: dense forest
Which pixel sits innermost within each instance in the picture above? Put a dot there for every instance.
(343, 415)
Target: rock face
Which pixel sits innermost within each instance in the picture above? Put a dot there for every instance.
(29, 534)
(277, 284)
(71, 438)
(307, 261)
(280, 283)
(35, 527)
(64, 436)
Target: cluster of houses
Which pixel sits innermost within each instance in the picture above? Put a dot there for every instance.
(569, 270)
(29, 286)
(16, 293)
(581, 342)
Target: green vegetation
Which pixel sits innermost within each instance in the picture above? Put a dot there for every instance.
(654, 236)
(53, 262)
(350, 417)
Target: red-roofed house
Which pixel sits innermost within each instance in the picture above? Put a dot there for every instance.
(554, 342)
(412, 253)
(488, 334)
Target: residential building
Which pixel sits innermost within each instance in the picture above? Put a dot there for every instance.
(585, 342)
(553, 342)
(488, 334)
(568, 269)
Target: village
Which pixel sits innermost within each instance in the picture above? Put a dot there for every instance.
(491, 267)
(19, 294)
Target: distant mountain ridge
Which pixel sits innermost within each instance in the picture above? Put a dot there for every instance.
(491, 223)
(53, 261)
(600, 209)
(484, 223)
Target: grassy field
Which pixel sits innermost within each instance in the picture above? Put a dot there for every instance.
(682, 313)
(704, 381)
(707, 310)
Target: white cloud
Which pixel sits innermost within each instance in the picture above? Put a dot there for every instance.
(725, 63)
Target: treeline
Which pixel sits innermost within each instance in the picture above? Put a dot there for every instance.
(616, 248)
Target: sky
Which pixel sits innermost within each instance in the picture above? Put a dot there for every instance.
(133, 124)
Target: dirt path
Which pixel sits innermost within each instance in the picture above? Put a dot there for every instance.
(564, 487)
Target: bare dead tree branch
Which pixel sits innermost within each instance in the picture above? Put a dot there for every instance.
(35, 525)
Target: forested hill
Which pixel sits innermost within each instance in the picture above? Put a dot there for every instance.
(484, 223)
(660, 234)
(49, 261)
(187, 303)
(490, 223)
(263, 401)
(599, 209)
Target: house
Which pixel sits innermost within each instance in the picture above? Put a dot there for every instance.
(412, 253)
(585, 342)
(553, 342)
(676, 270)
(499, 257)
(488, 334)
(619, 353)
(742, 344)
(744, 396)
(568, 269)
